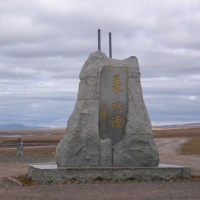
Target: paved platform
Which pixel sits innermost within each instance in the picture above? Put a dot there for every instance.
(54, 173)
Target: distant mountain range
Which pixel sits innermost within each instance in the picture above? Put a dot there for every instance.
(18, 127)
(189, 125)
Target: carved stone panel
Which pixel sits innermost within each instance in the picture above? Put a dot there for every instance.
(113, 103)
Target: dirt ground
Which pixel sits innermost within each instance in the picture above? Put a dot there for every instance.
(169, 150)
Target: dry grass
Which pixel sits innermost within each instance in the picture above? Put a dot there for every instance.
(43, 138)
(30, 151)
(181, 132)
(37, 135)
(192, 147)
(50, 131)
(38, 144)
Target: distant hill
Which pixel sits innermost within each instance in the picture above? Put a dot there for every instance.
(18, 127)
(189, 125)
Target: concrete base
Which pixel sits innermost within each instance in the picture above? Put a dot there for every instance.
(54, 173)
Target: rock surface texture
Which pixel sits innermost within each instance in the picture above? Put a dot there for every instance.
(82, 146)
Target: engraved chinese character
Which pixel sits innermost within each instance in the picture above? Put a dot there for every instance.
(103, 114)
(116, 85)
(103, 125)
(116, 122)
(103, 104)
(116, 105)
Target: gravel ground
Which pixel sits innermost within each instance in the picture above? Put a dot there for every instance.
(103, 191)
(26, 159)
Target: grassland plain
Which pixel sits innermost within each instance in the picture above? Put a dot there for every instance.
(44, 141)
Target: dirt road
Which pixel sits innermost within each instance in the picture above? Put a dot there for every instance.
(169, 151)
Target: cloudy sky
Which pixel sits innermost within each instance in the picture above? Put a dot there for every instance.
(44, 44)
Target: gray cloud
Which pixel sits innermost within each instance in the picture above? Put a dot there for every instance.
(44, 44)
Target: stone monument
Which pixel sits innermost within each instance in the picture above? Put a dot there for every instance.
(110, 125)
(109, 133)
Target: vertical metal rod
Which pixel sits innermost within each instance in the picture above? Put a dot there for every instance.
(99, 39)
(110, 45)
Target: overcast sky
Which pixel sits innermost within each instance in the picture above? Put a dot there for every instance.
(44, 44)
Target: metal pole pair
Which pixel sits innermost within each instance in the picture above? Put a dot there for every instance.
(110, 42)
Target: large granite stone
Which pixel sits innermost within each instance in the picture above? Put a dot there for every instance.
(132, 145)
(106, 153)
(135, 151)
(80, 146)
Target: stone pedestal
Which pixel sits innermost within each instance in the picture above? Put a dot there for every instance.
(53, 173)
